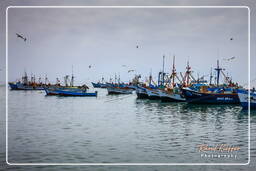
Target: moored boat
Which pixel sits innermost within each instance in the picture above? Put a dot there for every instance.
(61, 91)
(219, 96)
(119, 90)
(244, 100)
(153, 94)
(27, 84)
(170, 96)
(96, 85)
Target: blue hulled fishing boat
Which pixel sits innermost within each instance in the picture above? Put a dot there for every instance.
(27, 84)
(61, 91)
(96, 85)
(219, 94)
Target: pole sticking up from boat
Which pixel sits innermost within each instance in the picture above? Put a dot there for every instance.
(211, 76)
(163, 71)
(45, 79)
(173, 71)
(72, 78)
(218, 69)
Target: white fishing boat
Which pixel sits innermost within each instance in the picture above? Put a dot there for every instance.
(244, 100)
(170, 96)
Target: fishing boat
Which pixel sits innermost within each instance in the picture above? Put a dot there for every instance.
(171, 92)
(153, 90)
(20, 86)
(61, 91)
(244, 100)
(219, 94)
(27, 84)
(99, 84)
(96, 85)
(119, 90)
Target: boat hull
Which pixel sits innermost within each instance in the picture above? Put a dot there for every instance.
(153, 94)
(171, 97)
(115, 90)
(207, 98)
(141, 93)
(96, 85)
(244, 100)
(19, 86)
(69, 92)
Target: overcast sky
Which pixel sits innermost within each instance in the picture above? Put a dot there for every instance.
(106, 39)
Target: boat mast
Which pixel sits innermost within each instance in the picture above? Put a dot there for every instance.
(72, 78)
(115, 78)
(218, 69)
(173, 71)
(163, 71)
(187, 73)
(211, 77)
(45, 79)
(150, 77)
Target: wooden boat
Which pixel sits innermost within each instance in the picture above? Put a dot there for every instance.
(26, 84)
(119, 90)
(141, 92)
(21, 86)
(96, 85)
(61, 91)
(219, 96)
(153, 94)
(244, 100)
(171, 92)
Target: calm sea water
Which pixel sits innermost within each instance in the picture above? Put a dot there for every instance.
(119, 129)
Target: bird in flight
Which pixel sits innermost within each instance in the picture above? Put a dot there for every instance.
(231, 38)
(90, 66)
(22, 37)
(137, 46)
(229, 59)
(130, 70)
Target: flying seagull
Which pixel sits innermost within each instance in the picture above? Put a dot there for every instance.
(130, 70)
(229, 59)
(22, 37)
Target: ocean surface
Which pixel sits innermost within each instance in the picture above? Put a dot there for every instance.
(120, 129)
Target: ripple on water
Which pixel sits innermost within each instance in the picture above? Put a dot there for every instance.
(118, 129)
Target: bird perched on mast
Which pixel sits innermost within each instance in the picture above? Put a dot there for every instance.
(22, 37)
